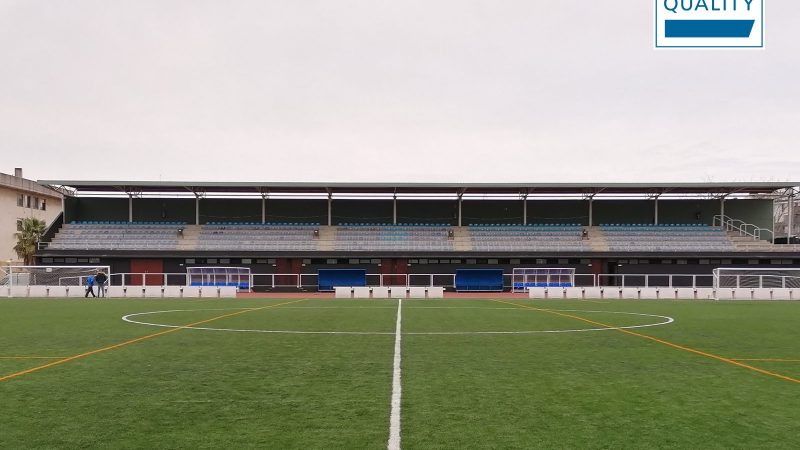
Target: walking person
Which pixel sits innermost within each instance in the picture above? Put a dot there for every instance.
(90, 286)
(101, 279)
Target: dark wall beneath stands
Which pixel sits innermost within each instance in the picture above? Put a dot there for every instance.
(230, 210)
(167, 209)
(95, 209)
(302, 210)
(427, 211)
(362, 211)
(758, 212)
(687, 211)
(559, 211)
(500, 211)
(623, 211)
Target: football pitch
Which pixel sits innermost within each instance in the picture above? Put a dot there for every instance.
(416, 374)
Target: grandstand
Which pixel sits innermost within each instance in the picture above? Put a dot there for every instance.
(399, 230)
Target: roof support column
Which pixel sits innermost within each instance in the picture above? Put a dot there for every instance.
(722, 209)
(790, 210)
(394, 209)
(330, 209)
(655, 211)
(130, 208)
(591, 211)
(264, 194)
(196, 209)
(460, 198)
(525, 210)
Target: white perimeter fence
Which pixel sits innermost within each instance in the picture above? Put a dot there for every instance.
(269, 281)
(309, 280)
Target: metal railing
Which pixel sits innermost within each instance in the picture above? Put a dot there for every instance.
(744, 228)
(308, 281)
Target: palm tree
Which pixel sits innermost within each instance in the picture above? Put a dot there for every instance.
(28, 238)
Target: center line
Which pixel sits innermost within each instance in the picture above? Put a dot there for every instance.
(394, 416)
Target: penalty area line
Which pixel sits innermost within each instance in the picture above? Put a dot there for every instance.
(397, 388)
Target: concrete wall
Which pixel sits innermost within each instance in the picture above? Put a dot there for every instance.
(10, 188)
(758, 212)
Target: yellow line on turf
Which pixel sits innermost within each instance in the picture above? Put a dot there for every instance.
(660, 341)
(133, 341)
(766, 359)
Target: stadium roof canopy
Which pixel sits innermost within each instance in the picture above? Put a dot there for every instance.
(88, 188)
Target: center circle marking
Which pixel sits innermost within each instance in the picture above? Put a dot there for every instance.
(664, 321)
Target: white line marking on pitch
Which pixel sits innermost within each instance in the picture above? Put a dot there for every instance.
(397, 389)
(667, 320)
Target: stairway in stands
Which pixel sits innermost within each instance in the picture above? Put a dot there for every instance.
(327, 239)
(191, 235)
(597, 239)
(748, 243)
(462, 239)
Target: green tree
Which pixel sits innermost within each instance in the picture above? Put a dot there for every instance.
(28, 238)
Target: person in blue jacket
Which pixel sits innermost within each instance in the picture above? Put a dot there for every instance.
(90, 286)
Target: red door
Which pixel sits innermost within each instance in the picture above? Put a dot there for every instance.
(397, 268)
(287, 268)
(147, 266)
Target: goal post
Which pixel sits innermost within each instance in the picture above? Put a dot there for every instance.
(51, 275)
(738, 278)
(524, 278)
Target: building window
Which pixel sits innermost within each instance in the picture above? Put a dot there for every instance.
(247, 261)
(224, 261)
(44, 204)
(19, 224)
(28, 203)
(36, 202)
(20, 200)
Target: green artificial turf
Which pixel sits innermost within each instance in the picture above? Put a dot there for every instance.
(463, 387)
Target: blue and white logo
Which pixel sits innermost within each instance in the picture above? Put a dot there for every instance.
(709, 23)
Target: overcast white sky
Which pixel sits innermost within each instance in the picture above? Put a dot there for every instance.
(380, 90)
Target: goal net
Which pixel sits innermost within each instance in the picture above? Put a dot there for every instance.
(756, 278)
(219, 276)
(524, 278)
(51, 275)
